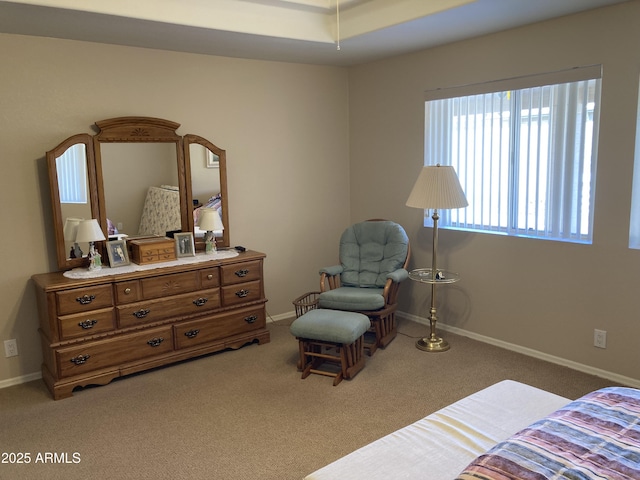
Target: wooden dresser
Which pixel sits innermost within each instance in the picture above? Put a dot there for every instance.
(96, 329)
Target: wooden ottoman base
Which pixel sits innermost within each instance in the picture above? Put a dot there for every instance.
(315, 354)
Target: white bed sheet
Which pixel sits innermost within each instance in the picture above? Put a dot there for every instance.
(441, 445)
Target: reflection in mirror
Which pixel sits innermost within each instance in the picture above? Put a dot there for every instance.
(73, 188)
(205, 185)
(141, 190)
(127, 159)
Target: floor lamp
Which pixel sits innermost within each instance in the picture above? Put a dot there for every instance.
(437, 188)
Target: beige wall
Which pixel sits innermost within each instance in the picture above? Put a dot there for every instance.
(540, 295)
(284, 127)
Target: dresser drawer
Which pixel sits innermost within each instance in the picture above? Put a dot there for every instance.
(244, 292)
(128, 292)
(165, 285)
(84, 299)
(196, 332)
(241, 272)
(114, 351)
(179, 305)
(89, 323)
(210, 277)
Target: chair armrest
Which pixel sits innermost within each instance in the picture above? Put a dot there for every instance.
(398, 275)
(332, 271)
(330, 277)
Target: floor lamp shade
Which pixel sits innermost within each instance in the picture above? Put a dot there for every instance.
(437, 187)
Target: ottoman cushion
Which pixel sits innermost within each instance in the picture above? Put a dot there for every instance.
(330, 326)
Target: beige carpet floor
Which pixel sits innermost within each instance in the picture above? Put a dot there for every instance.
(246, 414)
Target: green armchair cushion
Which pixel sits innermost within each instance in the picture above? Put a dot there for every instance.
(352, 299)
(371, 250)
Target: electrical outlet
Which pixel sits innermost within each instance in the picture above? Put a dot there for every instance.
(10, 348)
(600, 338)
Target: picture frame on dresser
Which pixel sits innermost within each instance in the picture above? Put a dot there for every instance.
(185, 245)
(117, 252)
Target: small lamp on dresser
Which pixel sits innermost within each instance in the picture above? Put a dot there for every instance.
(89, 231)
(211, 222)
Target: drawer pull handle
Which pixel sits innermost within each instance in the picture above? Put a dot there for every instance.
(87, 324)
(85, 299)
(127, 291)
(143, 312)
(241, 273)
(242, 293)
(192, 333)
(251, 318)
(80, 359)
(200, 301)
(209, 277)
(154, 342)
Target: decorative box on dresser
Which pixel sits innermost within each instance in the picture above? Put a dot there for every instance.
(96, 329)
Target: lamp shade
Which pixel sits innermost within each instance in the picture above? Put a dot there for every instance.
(209, 220)
(71, 228)
(437, 187)
(89, 231)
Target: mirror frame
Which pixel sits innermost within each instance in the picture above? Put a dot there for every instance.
(190, 139)
(129, 130)
(56, 207)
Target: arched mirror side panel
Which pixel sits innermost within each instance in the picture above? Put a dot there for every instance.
(72, 181)
(206, 176)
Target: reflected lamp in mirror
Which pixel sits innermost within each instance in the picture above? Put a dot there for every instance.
(211, 222)
(70, 233)
(90, 231)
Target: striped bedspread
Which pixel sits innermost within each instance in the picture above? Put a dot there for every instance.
(594, 437)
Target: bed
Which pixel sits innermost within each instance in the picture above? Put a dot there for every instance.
(161, 211)
(508, 431)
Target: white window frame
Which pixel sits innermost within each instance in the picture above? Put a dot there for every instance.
(634, 222)
(519, 183)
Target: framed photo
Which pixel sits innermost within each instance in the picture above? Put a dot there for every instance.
(184, 244)
(213, 160)
(117, 251)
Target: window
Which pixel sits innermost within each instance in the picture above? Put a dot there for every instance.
(71, 167)
(525, 156)
(634, 225)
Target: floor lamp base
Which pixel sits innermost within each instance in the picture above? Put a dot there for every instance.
(435, 344)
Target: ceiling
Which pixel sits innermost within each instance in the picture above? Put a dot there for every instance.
(301, 31)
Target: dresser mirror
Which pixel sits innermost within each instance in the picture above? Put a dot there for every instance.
(206, 167)
(139, 178)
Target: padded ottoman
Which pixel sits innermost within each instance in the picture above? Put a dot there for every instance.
(331, 337)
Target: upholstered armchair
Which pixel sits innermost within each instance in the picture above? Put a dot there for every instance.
(373, 260)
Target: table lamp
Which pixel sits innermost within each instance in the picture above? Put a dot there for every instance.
(70, 231)
(209, 220)
(90, 231)
(436, 188)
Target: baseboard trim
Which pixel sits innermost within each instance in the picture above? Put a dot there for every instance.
(10, 382)
(632, 382)
(282, 316)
